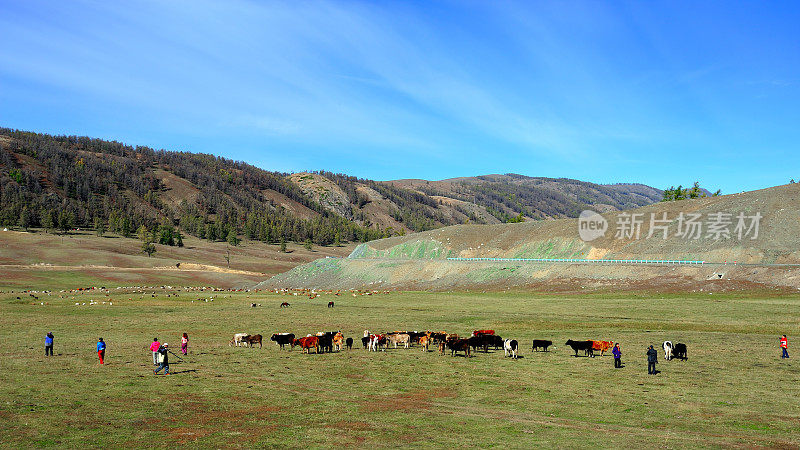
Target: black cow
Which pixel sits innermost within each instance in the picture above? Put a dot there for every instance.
(365, 341)
(325, 343)
(349, 343)
(485, 340)
(283, 339)
(541, 343)
(680, 351)
(581, 345)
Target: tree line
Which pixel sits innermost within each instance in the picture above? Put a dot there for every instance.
(64, 182)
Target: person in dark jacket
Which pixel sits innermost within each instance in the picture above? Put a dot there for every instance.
(617, 356)
(48, 344)
(163, 359)
(652, 360)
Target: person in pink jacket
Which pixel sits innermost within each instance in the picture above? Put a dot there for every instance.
(185, 343)
(154, 348)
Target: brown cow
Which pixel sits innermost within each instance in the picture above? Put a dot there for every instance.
(252, 340)
(459, 345)
(307, 343)
(423, 342)
(338, 341)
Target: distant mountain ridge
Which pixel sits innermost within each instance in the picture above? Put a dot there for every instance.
(62, 181)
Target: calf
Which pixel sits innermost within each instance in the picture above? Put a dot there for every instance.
(680, 351)
(238, 339)
(581, 345)
(348, 342)
(668, 350)
(423, 342)
(510, 348)
(283, 339)
(541, 343)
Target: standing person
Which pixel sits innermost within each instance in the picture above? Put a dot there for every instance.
(185, 344)
(652, 360)
(48, 344)
(617, 356)
(154, 348)
(101, 350)
(784, 347)
(163, 359)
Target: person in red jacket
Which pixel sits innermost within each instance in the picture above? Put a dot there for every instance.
(784, 346)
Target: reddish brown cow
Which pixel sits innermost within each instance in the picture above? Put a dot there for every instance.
(602, 346)
(307, 343)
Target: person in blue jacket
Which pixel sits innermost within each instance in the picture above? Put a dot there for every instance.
(617, 352)
(101, 350)
(48, 344)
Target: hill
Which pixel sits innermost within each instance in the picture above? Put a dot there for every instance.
(733, 258)
(38, 260)
(68, 181)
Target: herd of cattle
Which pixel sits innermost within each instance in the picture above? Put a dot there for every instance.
(330, 341)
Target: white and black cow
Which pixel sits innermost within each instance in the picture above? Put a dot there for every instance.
(510, 347)
(668, 347)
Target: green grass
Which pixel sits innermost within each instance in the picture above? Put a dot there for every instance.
(734, 389)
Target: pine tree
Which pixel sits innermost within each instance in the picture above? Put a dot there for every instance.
(25, 218)
(99, 226)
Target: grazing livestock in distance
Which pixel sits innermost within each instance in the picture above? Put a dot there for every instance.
(441, 348)
(510, 348)
(680, 351)
(253, 340)
(365, 341)
(283, 339)
(602, 346)
(330, 304)
(238, 339)
(586, 346)
(348, 342)
(284, 304)
(668, 350)
(541, 343)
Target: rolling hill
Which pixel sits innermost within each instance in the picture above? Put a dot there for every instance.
(68, 181)
(732, 257)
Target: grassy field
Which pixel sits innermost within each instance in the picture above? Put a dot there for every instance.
(733, 390)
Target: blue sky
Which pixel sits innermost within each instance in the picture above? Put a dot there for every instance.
(660, 93)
